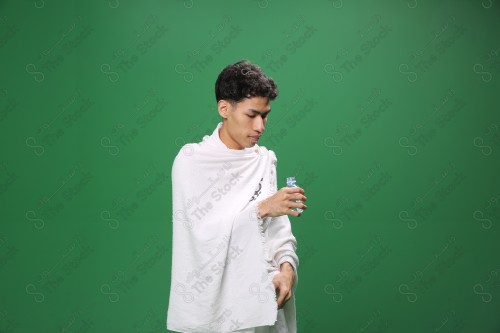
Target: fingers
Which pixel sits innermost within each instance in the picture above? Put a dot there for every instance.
(297, 205)
(292, 206)
(287, 298)
(282, 203)
(289, 209)
(296, 196)
(294, 189)
(283, 292)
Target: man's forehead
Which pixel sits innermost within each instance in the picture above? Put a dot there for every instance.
(258, 104)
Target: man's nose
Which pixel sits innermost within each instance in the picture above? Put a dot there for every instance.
(259, 126)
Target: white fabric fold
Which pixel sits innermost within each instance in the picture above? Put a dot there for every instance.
(223, 256)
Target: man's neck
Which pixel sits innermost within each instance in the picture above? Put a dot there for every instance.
(224, 137)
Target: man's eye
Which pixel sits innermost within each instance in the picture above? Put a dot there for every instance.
(263, 117)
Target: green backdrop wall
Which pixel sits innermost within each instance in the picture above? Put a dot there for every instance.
(388, 115)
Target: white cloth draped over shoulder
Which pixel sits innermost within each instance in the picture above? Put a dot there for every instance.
(223, 255)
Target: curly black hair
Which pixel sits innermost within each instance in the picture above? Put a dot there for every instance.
(244, 80)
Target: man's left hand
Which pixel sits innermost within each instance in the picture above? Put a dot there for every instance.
(283, 283)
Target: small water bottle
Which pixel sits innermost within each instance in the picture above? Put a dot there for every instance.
(291, 182)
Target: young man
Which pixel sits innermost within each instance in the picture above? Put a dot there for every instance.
(234, 266)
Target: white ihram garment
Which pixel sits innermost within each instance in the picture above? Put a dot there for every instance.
(223, 256)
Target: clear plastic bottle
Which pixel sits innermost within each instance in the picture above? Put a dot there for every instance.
(291, 182)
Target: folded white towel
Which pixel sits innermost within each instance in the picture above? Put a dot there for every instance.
(223, 255)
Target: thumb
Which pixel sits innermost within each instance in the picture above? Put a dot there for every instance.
(281, 296)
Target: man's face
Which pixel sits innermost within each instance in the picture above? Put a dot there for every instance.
(243, 122)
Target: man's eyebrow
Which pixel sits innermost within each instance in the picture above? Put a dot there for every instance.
(257, 111)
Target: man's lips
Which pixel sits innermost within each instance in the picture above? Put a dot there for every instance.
(255, 137)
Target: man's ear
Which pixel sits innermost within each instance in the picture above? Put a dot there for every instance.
(224, 107)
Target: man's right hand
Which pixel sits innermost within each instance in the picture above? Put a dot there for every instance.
(282, 202)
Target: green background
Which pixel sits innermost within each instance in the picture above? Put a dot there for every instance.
(388, 115)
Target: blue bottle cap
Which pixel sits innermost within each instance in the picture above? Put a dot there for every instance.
(290, 181)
